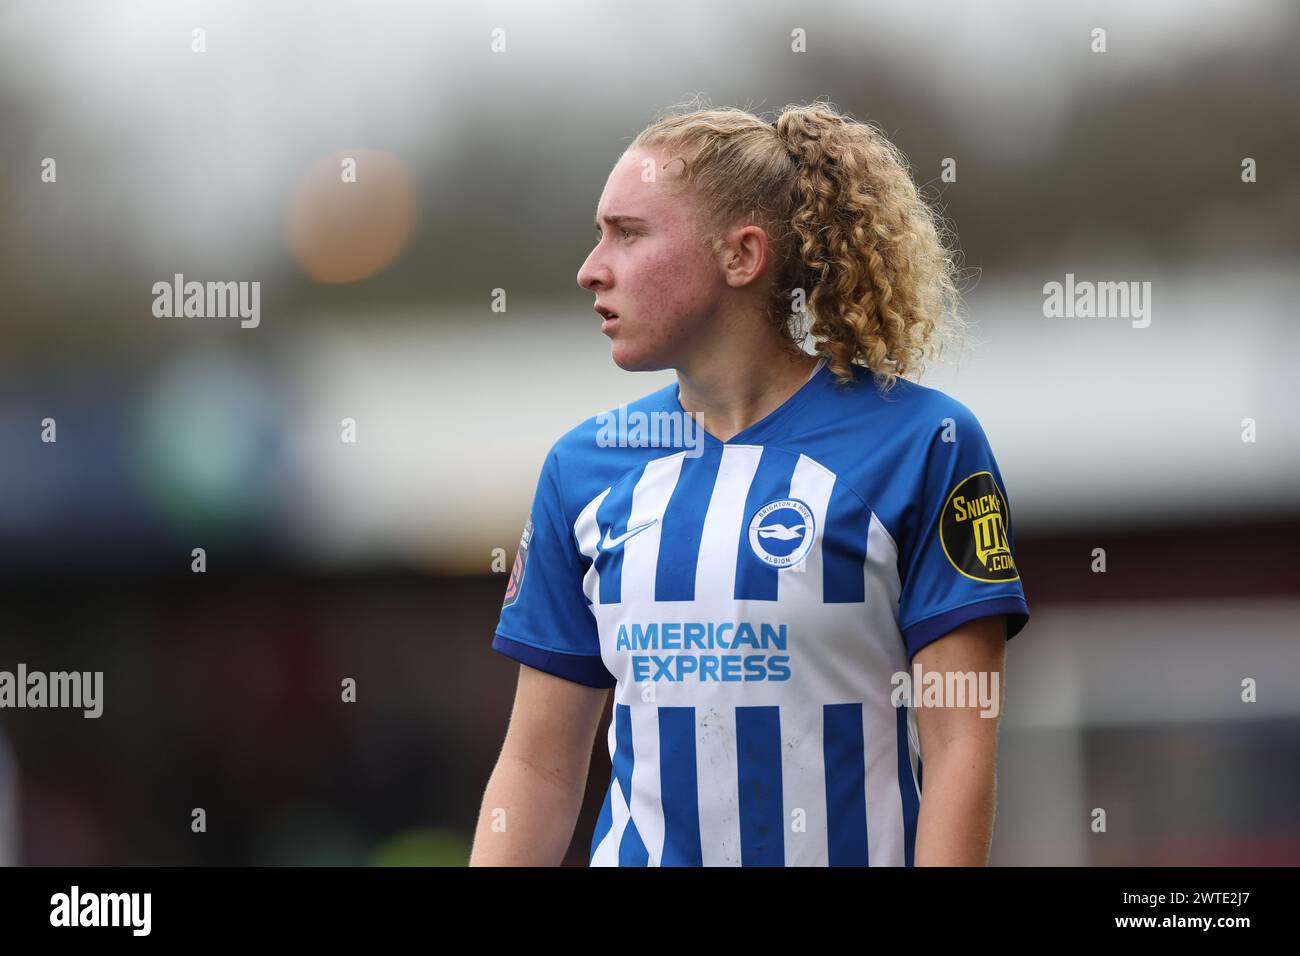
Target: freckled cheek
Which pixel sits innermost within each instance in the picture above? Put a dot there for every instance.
(666, 293)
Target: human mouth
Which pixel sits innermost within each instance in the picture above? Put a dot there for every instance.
(609, 315)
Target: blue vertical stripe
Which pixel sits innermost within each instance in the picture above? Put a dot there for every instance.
(907, 790)
(679, 787)
(844, 547)
(631, 849)
(606, 819)
(611, 518)
(762, 813)
(844, 759)
(755, 579)
(683, 526)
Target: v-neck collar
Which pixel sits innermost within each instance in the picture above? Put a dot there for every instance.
(746, 435)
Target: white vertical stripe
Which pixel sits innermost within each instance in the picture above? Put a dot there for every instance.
(884, 802)
(811, 484)
(647, 805)
(803, 782)
(914, 747)
(803, 769)
(587, 530)
(606, 853)
(885, 837)
(715, 571)
(718, 792)
(883, 586)
(649, 502)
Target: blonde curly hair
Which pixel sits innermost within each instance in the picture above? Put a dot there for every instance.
(852, 239)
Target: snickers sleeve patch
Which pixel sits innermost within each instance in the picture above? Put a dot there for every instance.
(959, 562)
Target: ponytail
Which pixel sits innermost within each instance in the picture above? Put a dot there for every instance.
(852, 240)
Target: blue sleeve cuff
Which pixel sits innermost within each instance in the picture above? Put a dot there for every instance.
(926, 631)
(579, 668)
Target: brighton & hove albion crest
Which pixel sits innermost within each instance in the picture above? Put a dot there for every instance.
(781, 532)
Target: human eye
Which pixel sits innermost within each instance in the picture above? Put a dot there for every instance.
(624, 234)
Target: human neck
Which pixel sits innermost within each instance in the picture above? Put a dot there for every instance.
(738, 387)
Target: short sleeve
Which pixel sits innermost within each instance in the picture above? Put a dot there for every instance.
(959, 561)
(546, 620)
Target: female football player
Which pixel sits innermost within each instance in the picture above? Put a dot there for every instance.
(793, 566)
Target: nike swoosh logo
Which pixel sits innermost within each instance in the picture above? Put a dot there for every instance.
(610, 543)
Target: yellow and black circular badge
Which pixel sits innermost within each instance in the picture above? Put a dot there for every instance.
(973, 530)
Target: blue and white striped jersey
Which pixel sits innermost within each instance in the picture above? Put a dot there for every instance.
(750, 601)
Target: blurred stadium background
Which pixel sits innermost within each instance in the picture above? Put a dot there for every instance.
(480, 170)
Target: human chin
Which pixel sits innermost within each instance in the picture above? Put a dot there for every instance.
(633, 356)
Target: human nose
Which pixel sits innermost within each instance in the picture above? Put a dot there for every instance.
(593, 272)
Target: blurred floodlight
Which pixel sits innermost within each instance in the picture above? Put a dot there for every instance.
(350, 215)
